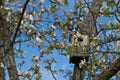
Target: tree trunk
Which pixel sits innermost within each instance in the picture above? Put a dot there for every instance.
(7, 50)
(10, 63)
(78, 73)
(2, 73)
(2, 62)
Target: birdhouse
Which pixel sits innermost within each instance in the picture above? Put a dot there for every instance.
(80, 48)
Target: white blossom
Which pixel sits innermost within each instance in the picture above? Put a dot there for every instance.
(1, 65)
(82, 63)
(9, 13)
(6, 1)
(21, 63)
(35, 67)
(20, 10)
(70, 10)
(38, 34)
(85, 10)
(71, 22)
(34, 13)
(42, 1)
(35, 58)
(29, 32)
(118, 43)
(52, 26)
(23, 53)
(96, 38)
(18, 71)
(54, 34)
(78, 34)
(32, 26)
(42, 10)
(26, 74)
(81, 18)
(118, 74)
(94, 67)
(31, 17)
(38, 39)
(39, 75)
(9, 9)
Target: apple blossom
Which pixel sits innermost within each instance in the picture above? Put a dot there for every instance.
(42, 1)
(1, 65)
(35, 58)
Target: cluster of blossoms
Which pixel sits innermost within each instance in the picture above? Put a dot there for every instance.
(1, 65)
(35, 58)
(26, 74)
(39, 75)
(21, 63)
(38, 40)
(42, 1)
(35, 68)
(82, 63)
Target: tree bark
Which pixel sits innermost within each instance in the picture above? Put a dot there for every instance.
(10, 63)
(2, 62)
(89, 25)
(110, 71)
(2, 73)
(7, 50)
(78, 73)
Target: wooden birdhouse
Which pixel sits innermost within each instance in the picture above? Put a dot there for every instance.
(79, 49)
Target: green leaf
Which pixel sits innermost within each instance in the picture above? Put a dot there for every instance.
(66, 2)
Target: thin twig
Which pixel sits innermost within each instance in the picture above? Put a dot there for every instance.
(32, 76)
(52, 74)
(117, 18)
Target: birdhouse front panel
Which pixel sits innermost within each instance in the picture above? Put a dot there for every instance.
(79, 48)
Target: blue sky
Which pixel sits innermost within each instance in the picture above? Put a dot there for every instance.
(62, 62)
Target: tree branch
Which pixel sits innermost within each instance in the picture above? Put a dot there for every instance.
(52, 74)
(110, 71)
(19, 23)
(117, 18)
(111, 39)
(113, 52)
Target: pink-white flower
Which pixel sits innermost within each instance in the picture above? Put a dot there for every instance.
(26, 73)
(42, 1)
(2, 65)
(52, 26)
(39, 74)
(82, 63)
(38, 40)
(35, 58)
(29, 32)
(31, 17)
